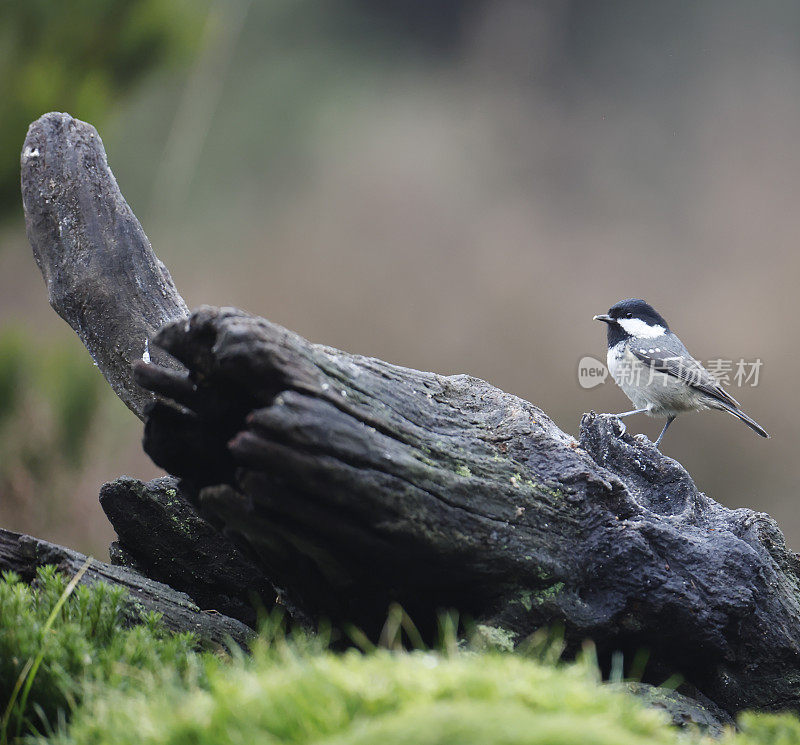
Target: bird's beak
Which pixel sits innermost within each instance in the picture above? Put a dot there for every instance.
(604, 317)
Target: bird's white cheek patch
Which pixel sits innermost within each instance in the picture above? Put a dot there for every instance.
(637, 327)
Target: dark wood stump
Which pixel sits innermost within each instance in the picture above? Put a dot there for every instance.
(340, 484)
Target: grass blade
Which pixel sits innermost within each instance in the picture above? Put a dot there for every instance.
(28, 673)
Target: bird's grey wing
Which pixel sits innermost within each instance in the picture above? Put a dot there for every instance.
(670, 356)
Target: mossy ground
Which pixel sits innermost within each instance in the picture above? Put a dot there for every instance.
(101, 683)
(87, 645)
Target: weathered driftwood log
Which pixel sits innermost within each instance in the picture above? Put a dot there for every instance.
(358, 483)
(102, 276)
(23, 554)
(349, 483)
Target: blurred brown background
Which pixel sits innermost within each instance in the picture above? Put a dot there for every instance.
(455, 186)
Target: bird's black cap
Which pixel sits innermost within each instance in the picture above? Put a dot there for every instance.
(633, 308)
(636, 308)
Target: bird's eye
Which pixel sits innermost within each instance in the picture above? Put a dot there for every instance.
(629, 315)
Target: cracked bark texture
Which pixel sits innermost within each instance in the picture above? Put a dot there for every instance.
(358, 483)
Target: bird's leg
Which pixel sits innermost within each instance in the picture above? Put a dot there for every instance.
(628, 413)
(660, 437)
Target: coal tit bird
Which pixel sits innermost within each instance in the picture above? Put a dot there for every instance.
(656, 372)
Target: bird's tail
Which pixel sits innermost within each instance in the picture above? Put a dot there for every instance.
(754, 425)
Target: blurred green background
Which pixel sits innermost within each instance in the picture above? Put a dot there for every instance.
(455, 186)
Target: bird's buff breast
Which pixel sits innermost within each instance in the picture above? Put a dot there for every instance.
(661, 394)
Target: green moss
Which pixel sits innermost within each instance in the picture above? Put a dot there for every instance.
(549, 592)
(142, 686)
(766, 729)
(284, 695)
(88, 645)
(529, 598)
(181, 525)
(464, 471)
(496, 637)
(519, 481)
